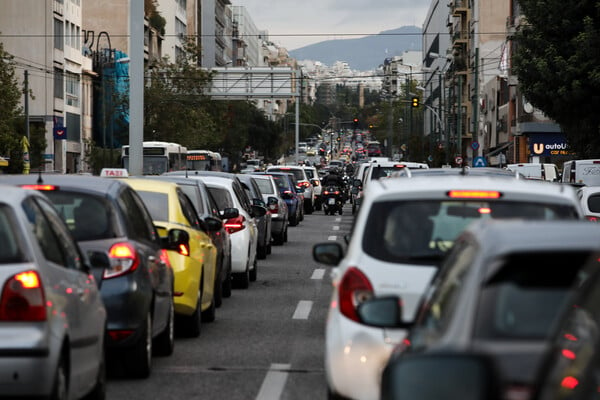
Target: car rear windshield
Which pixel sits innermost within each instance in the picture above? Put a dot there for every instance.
(298, 173)
(222, 197)
(265, 186)
(594, 203)
(10, 251)
(157, 204)
(524, 296)
(424, 230)
(281, 182)
(384, 172)
(88, 217)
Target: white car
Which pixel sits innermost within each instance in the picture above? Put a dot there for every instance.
(243, 232)
(589, 196)
(314, 178)
(403, 230)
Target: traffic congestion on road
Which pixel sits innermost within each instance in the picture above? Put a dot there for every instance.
(247, 286)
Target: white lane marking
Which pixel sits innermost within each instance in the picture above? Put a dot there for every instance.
(338, 219)
(332, 238)
(302, 309)
(274, 382)
(318, 273)
(336, 228)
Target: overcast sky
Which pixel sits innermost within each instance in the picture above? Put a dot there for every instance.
(297, 23)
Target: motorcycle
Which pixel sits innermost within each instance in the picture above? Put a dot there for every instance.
(332, 200)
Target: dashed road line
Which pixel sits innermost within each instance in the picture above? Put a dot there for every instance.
(274, 382)
(332, 238)
(318, 273)
(302, 309)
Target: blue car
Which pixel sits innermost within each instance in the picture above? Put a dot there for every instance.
(292, 194)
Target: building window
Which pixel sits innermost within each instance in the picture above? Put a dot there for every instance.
(59, 90)
(73, 127)
(59, 34)
(72, 89)
(180, 29)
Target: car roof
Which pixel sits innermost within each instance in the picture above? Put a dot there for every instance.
(79, 183)
(191, 173)
(152, 185)
(436, 187)
(466, 171)
(497, 237)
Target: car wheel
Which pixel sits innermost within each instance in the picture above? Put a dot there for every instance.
(254, 272)
(209, 314)
(164, 344)
(60, 390)
(227, 283)
(242, 279)
(138, 360)
(294, 220)
(191, 325)
(285, 236)
(353, 208)
(99, 390)
(218, 287)
(278, 238)
(269, 248)
(334, 396)
(261, 252)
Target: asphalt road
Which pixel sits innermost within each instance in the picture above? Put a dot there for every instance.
(266, 342)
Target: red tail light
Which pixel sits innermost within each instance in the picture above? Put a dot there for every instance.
(591, 218)
(353, 289)
(235, 224)
(274, 208)
(40, 187)
(304, 184)
(123, 260)
(23, 298)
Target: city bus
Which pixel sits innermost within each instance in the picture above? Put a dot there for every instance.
(159, 157)
(203, 160)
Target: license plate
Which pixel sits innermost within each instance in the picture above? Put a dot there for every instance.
(331, 201)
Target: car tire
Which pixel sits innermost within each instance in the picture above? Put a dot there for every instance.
(294, 220)
(334, 396)
(218, 287)
(60, 390)
(261, 252)
(227, 282)
(209, 315)
(285, 235)
(278, 238)
(164, 344)
(99, 390)
(191, 325)
(269, 248)
(138, 360)
(254, 272)
(242, 279)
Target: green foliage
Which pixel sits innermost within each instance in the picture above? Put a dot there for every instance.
(558, 65)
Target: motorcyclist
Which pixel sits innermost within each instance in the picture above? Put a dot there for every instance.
(333, 179)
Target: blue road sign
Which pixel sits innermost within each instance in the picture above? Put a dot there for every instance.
(479, 162)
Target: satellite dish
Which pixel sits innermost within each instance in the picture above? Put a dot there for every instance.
(527, 106)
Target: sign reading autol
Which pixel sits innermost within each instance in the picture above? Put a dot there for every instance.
(548, 144)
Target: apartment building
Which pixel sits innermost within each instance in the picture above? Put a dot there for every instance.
(215, 33)
(45, 38)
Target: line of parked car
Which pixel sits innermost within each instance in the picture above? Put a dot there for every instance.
(99, 270)
(452, 285)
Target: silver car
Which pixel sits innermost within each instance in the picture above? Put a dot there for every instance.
(52, 319)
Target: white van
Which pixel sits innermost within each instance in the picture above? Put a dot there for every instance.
(586, 172)
(543, 171)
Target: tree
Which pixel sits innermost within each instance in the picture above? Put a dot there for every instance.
(558, 65)
(10, 140)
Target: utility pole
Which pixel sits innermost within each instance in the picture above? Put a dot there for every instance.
(26, 102)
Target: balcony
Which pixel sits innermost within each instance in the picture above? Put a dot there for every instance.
(458, 7)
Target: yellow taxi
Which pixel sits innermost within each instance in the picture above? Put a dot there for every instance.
(193, 258)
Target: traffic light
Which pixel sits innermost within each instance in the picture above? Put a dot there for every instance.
(355, 123)
(415, 102)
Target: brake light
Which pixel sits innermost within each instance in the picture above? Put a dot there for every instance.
(184, 249)
(317, 183)
(354, 288)
(399, 166)
(123, 259)
(118, 335)
(235, 224)
(304, 184)
(569, 382)
(474, 194)
(274, 208)
(23, 298)
(591, 218)
(40, 187)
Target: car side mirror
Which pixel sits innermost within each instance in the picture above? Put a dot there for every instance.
(259, 202)
(287, 195)
(272, 201)
(299, 190)
(383, 312)
(177, 238)
(328, 253)
(229, 213)
(258, 211)
(410, 376)
(213, 224)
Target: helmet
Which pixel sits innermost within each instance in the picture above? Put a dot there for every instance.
(334, 170)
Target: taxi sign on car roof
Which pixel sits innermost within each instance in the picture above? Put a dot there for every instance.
(114, 173)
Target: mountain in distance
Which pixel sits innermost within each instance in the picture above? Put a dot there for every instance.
(365, 53)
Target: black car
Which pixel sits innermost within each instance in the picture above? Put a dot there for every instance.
(106, 215)
(208, 211)
(292, 194)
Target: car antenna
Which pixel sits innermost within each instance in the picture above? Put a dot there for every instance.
(464, 167)
(40, 180)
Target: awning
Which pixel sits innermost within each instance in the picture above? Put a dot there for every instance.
(3, 162)
(498, 149)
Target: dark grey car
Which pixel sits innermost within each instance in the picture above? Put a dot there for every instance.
(263, 223)
(499, 292)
